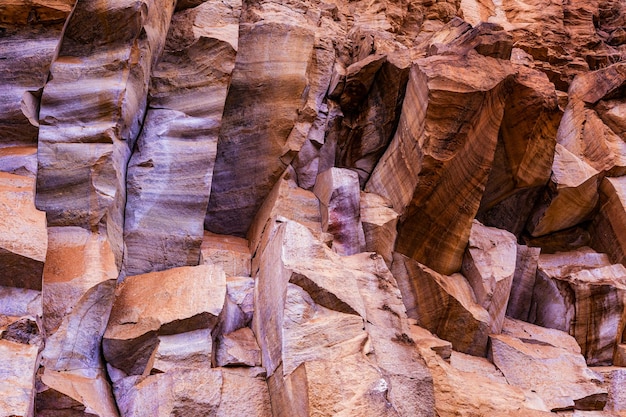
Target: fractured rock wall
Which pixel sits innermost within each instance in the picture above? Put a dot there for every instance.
(307, 208)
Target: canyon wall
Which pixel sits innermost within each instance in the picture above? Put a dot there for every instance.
(312, 208)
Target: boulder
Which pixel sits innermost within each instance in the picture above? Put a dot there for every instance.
(549, 367)
(183, 299)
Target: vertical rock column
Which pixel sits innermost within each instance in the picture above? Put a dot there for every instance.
(435, 169)
(92, 109)
(265, 101)
(170, 172)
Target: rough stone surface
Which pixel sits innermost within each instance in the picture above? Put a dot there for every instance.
(558, 375)
(23, 237)
(134, 324)
(311, 208)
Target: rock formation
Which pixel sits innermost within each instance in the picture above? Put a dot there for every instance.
(306, 208)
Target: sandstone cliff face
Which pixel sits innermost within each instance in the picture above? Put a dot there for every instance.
(307, 208)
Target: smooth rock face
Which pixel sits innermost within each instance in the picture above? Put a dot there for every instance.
(523, 284)
(269, 80)
(23, 237)
(178, 142)
(229, 252)
(381, 182)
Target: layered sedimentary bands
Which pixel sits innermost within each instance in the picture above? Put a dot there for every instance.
(294, 208)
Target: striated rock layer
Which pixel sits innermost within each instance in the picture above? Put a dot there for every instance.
(302, 208)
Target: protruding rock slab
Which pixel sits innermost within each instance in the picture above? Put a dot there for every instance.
(558, 375)
(179, 300)
(23, 235)
(92, 108)
(171, 169)
(339, 194)
(587, 300)
(445, 305)
(286, 201)
(439, 161)
(489, 266)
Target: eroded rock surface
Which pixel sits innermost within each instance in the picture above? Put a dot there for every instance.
(302, 208)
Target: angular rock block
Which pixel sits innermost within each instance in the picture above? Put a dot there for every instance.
(586, 300)
(439, 161)
(77, 260)
(587, 149)
(238, 348)
(238, 306)
(379, 225)
(183, 350)
(18, 377)
(570, 196)
(171, 169)
(489, 266)
(229, 252)
(73, 374)
(339, 194)
(19, 160)
(548, 366)
(294, 256)
(286, 201)
(199, 391)
(23, 235)
(319, 323)
(183, 299)
(444, 305)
